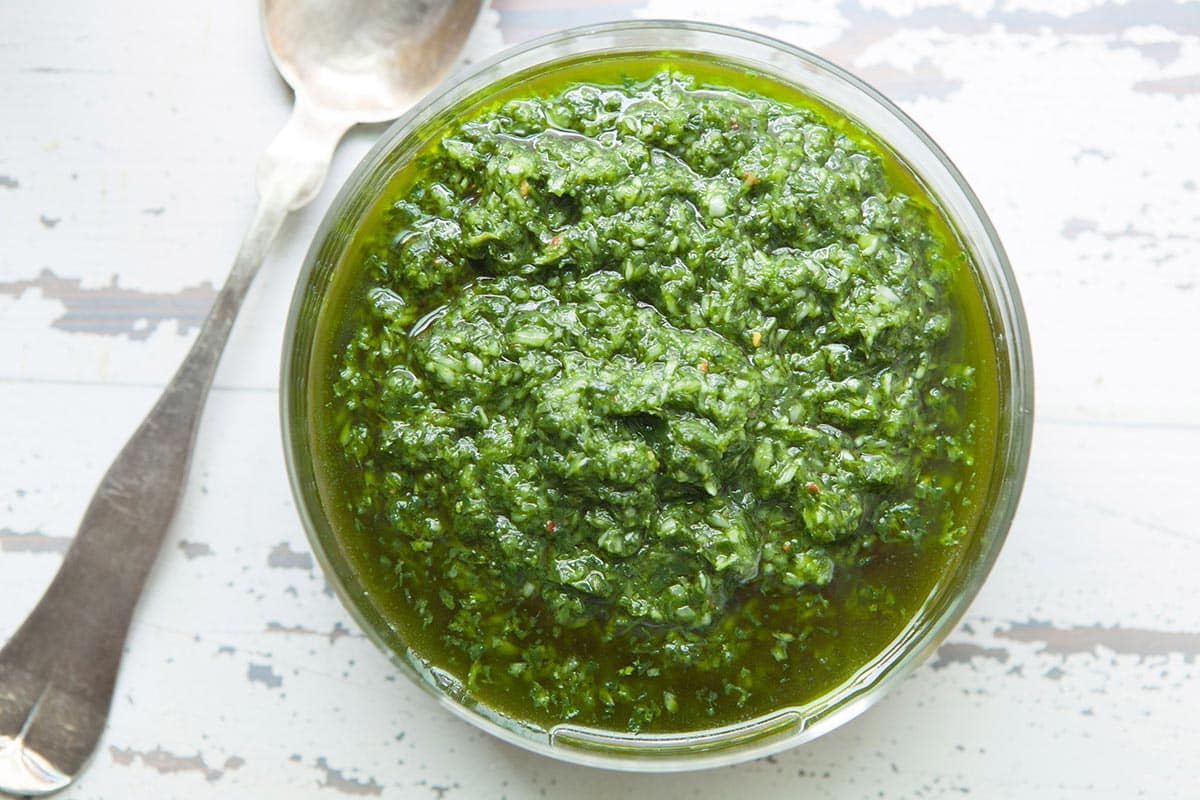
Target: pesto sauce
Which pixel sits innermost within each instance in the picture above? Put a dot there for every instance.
(653, 403)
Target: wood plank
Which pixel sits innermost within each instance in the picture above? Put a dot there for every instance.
(130, 137)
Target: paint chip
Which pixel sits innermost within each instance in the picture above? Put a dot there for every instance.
(1091, 638)
(1054, 674)
(32, 542)
(338, 630)
(1177, 86)
(335, 779)
(194, 549)
(165, 762)
(264, 674)
(284, 557)
(966, 653)
(113, 310)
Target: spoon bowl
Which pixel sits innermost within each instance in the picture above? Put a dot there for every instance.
(371, 61)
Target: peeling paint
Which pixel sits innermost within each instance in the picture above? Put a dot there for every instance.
(1102, 19)
(966, 653)
(925, 79)
(165, 762)
(1075, 227)
(115, 311)
(1177, 86)
(869, 25)
(1091, 638)
(334, 779)
(337, 632)
(264, 674)
(32, 542)
(284, 557)
(1161, 53)
(195, 549)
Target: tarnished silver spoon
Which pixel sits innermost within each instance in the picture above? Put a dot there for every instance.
(349, 61)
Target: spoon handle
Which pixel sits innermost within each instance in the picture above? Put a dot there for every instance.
(58, 671)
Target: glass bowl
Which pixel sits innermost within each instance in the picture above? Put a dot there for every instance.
(993, 277)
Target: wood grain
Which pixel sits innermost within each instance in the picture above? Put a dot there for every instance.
(126, 162)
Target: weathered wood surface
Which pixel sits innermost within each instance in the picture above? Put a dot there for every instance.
(128, 138)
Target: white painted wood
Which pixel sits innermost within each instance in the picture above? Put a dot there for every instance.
(128, 138)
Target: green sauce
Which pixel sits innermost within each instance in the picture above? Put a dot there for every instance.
(653, 399)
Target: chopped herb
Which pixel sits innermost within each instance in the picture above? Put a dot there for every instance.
(576, 482)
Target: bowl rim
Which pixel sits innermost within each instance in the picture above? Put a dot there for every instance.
(1010, 459)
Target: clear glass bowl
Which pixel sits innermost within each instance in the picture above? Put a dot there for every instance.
(997, 286)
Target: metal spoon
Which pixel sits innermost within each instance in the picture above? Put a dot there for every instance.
(348, 61)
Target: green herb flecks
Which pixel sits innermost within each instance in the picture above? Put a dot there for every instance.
(649, 404)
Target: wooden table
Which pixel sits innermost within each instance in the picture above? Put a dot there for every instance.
(128, 139)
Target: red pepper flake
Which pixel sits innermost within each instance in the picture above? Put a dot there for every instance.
(704, 365)
(555, 239)
(749, 178)
(550, 526)
(524, 188)
(733, 123)
(787, 546)
(812, 487)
